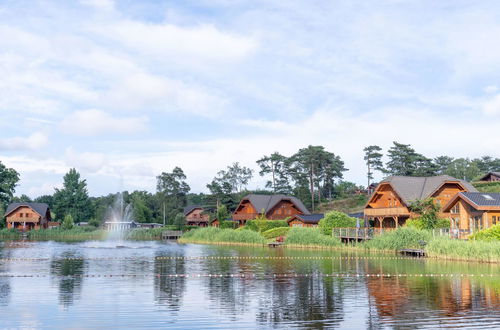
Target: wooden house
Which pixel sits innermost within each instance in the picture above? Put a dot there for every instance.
(490, 177)
(472, 211)
(27, 216)
(272, 207)
(305, 220)
(388, 205)
(196, 216)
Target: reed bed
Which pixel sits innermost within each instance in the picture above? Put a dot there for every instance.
(276, 232)
(9, 234)
(217, 235)
(76, 233)
(310, 237)
(464, 250)
(402, 238)
(141, 234)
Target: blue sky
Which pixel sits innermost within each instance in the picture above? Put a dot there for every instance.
(123, 90)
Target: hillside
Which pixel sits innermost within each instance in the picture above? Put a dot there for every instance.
(491, 187)
(350, 204)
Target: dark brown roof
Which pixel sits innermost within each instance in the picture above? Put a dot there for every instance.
(40, 208)
(488, 174)
(191, 208)
(267, 202)
(309, 218)
(411, 188)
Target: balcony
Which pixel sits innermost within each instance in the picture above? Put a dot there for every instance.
(22, 219)
(387, 212)
(245, 216)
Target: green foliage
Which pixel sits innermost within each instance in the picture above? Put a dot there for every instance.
(265, 225)
(401, 238)
(173, 189)
(275, 232)
(218, 235)
(466, 250)
(404, 160)
(428, 211)
(179, 221)
(8, 181)
(94, 222)
(463, 168)
(310, 237)
(9, 233)
(335, 219)
(76, 233)
(489, 234)
(146, 233)
(73, 199)
(373, 159)
(67, 222)
(490, 187)
(275, 165)
(442, 223)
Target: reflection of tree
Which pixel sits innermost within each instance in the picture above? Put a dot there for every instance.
(4, 282)
(170, 291)
(69, 276)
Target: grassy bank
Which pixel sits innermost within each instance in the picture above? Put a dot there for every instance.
(74, 234)
(486, 251)
(9, 234)
(217, 235)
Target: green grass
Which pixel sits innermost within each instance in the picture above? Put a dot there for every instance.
(218, 235)
(276, 232)
(401, 238)
(310, 237)
(9, 233)
(464, 250)
(76, 233)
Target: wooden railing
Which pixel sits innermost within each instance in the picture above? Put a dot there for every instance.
(19, 219)
(369, 233)
(387, 211)
(171, 234)
(245, 216)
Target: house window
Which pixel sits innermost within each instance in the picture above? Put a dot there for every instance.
(455, 209)
(21, 215)
(493, 220)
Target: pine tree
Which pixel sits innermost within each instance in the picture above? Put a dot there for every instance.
(373, 159)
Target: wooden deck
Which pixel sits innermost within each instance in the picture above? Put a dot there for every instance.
(413, 252)
(171, 234)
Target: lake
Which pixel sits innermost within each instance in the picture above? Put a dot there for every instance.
(153, 284)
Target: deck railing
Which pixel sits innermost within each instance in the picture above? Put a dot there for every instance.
(369, 233)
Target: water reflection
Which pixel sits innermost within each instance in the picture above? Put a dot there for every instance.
(68, 273)
(169, 291)
(4, 281)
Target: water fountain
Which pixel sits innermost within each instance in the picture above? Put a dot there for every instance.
(119, 218)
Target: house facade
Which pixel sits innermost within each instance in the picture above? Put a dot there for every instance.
(305, 220)
(272, 207)
(491, 177)
(196, 216)
(388, 206)
(27, 216)
(472, 211)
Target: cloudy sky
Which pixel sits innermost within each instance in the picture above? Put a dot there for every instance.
(123, 90)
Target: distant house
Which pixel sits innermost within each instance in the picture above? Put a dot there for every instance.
(27, 216)
(149, 225)
(388, 205)
(491, 177)
(120, 225)
(472, 211)
(196, 216)
(273, 207)
(305, 220)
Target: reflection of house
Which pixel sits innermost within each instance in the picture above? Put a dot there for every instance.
(474, 210)
(272, 207)
(27, 216)
(305, 220)
(388, 205)
(195, 216)
(490, 177)
(149, 225)
(120, 225)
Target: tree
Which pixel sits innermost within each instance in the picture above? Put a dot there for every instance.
(276, 165)
(488, 164)
(179, 220)
(335, 219)
(403, 160)
(236, 176)
(373, 159)
(22, 199)
(427, 210)
(73, 198)
(173, 188)
(463, 168)
(8, 181)
(67, 222)
(442, 163)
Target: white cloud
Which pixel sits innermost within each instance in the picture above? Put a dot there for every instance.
(491, 89)
(34, 141)
(491, 106)
(90, 162)
(96, 122)
(100, 4)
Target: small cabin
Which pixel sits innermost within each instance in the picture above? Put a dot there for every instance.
(305, 220)
(27, 216)
(272, 207)
(490, 177)
(196, 216)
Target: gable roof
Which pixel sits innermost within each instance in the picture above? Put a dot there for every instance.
(484, 177)
(308, 218)
(40, 208)
(478, 200)
(191, 208)
(410, 188)
(267, 202)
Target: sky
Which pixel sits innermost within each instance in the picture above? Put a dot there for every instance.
(125, 90)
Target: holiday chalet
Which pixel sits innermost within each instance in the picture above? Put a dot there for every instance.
(27, 216)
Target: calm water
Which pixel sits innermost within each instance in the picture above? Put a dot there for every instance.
(133, 285)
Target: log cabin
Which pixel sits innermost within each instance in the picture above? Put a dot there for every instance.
(196, 216)
(305, 220)
(272, 207)
(473, 211)
(27, 216)
(490, 177)
(388, 206)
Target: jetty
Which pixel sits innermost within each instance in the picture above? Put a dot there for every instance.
(171, 234)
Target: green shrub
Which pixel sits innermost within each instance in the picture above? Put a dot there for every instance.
(276, 232)
(310, 236)
(490, 234)
(336, 219)
(401, 238)
(67, 222)
(265, 225)
(443, 223)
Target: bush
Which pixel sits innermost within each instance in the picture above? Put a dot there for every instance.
(336, 219)
(67, 222)
(265, 225)
(490, 234)
(443, 223)
(276, 232)
(419, 223)
(401, 238)
(310, 236)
